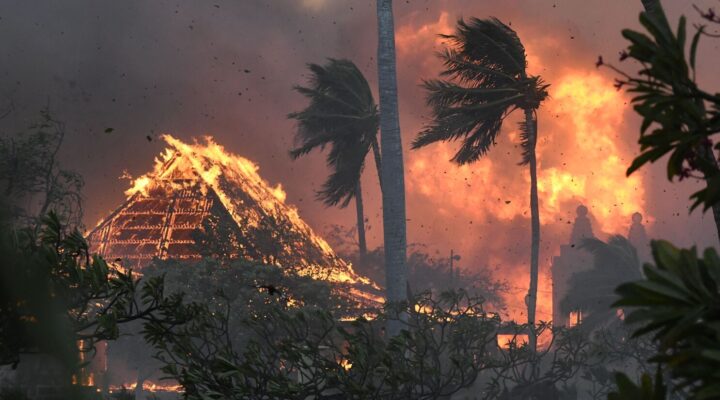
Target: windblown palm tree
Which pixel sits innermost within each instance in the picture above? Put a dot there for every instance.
(342, 114)
(592, 292)
(486, 80)
(393, 175)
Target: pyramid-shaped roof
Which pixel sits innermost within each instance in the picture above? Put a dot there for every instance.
(197, 190)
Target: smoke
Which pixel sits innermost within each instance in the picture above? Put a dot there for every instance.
(226, 68)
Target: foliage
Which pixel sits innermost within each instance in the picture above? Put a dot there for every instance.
(247, 288)
(487, 82)
(296, 353)
(250, 288)
(680, 116)
(56, 294)
(679, 303)
(31, 176)
(613, 349)
(518, 372)
(343, 115)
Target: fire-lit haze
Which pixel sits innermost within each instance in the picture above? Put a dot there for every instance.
(226, 68)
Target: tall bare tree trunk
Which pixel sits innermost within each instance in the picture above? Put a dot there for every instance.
(531, 121)
(393, 179)
(362, 244)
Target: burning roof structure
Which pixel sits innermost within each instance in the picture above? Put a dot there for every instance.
(199, 201)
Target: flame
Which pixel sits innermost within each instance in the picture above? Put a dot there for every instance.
(482, 210)
(149, 386)
(581, 160)
(595, 110)
(236, 182)
(506, 340)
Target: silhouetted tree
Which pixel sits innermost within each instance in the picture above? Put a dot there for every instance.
(393, 172)
(679, 117)
(487, 81)
(343, 115)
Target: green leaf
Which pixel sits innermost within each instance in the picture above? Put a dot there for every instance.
(694, 46)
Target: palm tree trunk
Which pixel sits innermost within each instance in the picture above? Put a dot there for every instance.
(531, 122)
(392, 170)
(378, 161)
(362, 244)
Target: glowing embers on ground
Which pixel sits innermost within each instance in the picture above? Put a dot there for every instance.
(149, 386)
(199, 201)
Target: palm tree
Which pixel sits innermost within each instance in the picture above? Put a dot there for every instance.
(592, 291)
(342, 114)
(486, 81)
(392, 172)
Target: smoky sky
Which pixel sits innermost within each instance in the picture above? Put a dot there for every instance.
(227, 68)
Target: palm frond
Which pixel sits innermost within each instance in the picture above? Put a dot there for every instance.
(487, 81)
(442, 94)
(347, 165)
(470, 71)
(343, 116)
(473, 114)
(490, 43)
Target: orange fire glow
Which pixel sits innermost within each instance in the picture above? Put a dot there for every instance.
(582, 160)
(219, 168)
(149, 386)
(592, 173)
(505, 340)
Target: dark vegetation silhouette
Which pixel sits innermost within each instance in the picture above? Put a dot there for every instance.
(343, 116)
(673, 304)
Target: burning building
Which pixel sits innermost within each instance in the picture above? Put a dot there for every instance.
(200, 201)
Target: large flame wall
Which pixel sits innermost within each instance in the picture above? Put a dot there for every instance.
(482, 210)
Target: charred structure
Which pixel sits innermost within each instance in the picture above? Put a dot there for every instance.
(200, 201)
